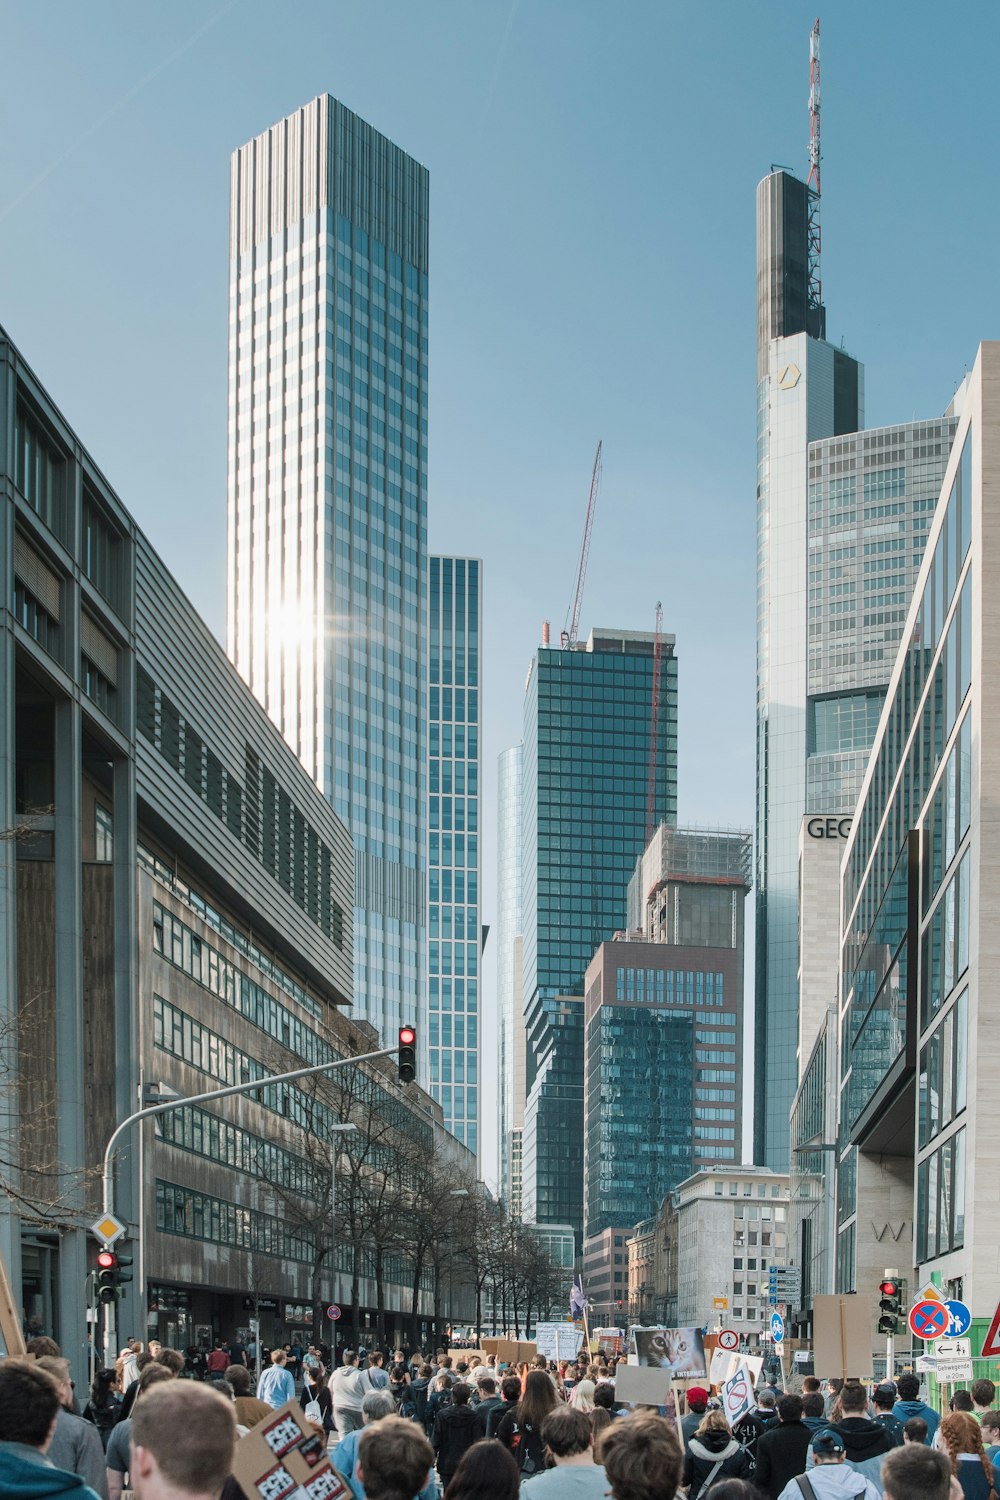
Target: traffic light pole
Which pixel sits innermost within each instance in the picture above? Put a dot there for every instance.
(147, 1113)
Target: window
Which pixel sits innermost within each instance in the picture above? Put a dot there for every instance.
(103, 835)
(103, 552)
(39, 468)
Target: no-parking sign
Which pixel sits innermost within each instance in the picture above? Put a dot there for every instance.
(929, 1320)
(737, 1395)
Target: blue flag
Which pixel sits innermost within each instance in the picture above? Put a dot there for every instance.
(577, 1300)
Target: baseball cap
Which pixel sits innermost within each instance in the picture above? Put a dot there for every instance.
(827, 1443)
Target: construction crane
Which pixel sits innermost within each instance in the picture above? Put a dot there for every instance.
(654, 723)
(814, 235)
(569, 635)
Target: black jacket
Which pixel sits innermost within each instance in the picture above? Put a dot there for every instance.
(703, 1453)
(782, 1452)
(892, 1425)
(863, 1438)
(523, 1441)
(456, 1428)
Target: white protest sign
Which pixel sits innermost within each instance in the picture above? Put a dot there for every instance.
(558, 1340)
(737, 1394)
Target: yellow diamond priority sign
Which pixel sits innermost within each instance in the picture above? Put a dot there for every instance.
(108, 1229)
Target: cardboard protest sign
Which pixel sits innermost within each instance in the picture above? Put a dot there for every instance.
(842, 1338)
(510, 1351)
(642, 1385)
(282, 1458)
(737, 1394)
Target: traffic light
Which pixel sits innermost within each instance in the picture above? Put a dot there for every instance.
(892, 1292)
(407, 1054)
(107, 1276)
(112, 1274)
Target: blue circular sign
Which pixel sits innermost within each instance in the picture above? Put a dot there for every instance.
(777, 1327)
(959, 1319)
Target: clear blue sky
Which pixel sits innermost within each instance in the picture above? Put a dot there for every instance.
(592, 274)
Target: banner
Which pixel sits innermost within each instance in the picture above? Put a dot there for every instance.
(679, 1350)
(284, 1458)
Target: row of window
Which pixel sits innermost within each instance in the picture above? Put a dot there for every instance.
(203, 1134)
(200, 1216)
(670, 987)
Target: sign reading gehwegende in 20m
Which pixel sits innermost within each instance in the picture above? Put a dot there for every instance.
(679, 1350)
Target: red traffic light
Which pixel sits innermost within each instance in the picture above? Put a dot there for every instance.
(407, 1062)
(407, 1036)
(889, 1288)
(107, 1260)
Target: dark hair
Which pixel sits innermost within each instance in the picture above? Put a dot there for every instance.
(983, 1392)
(916, 1470)
(790, 1408)
(813, 1405)
(171, 1359)
(510, 1388)
(884, 1397)
(567, 1430)
(394, 1458)
(961, 1401)
(642, 1458)
(201, 1463)
(486, 1471)
(908, 1387)
(853, 1398)
(460, 1393)
(487, 1384)
(153, 1374)
(990, 1419)
(240, 1379)
(810, 1385)
(916, 1429)
(604, 1395)
(29, 1403)
(538, 1400)
(102, 1389)
(142, 1359)
(735, 1489)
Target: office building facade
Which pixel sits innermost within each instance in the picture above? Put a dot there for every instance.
(327, 607)
(806, 390)
(663, 1037)
(585, 765)
(509, 946)
(175, 909)
(919, 945)
(454, 926)
(731, 1224)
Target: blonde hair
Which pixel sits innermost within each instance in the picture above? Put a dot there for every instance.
(582, 1396)
(712, 1421)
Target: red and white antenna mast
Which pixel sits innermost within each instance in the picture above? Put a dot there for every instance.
(814, 234)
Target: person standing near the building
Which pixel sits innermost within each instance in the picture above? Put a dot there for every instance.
(276, 1385)
(237, 1351)
(883, 1401)
(348, 1388)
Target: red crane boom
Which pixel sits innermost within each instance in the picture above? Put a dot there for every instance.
(569, 635)
(654, 724)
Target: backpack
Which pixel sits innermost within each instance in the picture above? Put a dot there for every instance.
(747, 1432)
(805, 1485)
(527, 1461)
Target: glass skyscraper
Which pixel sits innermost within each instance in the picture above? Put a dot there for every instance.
(327, 608)
(509, 949)
(455, 620)
(585, 763)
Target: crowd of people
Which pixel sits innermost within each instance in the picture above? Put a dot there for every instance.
(463, 1426)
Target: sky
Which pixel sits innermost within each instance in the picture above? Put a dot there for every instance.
(593, 168)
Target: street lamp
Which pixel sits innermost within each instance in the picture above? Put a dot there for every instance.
(180, 1101)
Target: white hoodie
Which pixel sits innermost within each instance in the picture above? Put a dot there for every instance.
(833, 1482)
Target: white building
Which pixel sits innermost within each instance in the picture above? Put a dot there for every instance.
(731, 1227)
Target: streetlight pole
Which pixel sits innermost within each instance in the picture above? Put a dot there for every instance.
(209, 1097)
(337, 1130)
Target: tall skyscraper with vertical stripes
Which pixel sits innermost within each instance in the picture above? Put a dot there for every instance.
(327, 498)
(453, 865)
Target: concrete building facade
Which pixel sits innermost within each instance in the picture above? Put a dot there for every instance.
(731, 1225)
(175, 909)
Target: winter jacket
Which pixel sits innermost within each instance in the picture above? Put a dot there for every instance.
(904, 1410)
(76, 1447)
(892, 1425)
(703, 1453)
(863, 1438)
(496, 1416)
(26, 1474)
(782, 1452)
(456, 1428)
(487, 1406)
(419, 1389)
(833, 1482)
